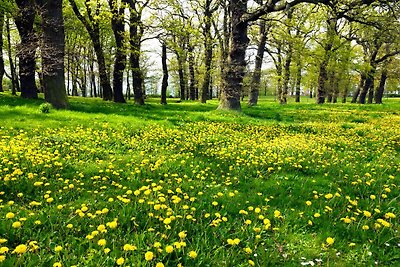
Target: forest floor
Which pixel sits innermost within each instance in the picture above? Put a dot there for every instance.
(106, 184)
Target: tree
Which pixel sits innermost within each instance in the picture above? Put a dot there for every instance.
(24, 19)
(118, 27)
(92, 25)
(136, 31)
(52, 50)
(164, 84)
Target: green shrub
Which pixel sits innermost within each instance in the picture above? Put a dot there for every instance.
(45, 108)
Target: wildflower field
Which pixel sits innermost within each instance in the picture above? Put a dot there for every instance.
(187, 185)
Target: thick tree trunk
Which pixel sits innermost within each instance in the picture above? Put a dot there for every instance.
(135, 33)
(233, 80)
(24, 20)
(369, 83)
(323, 72)
(359, 88)
(118, 27)
(192, 78)
(1, 50)
(371, 92)
(256, 79)
(381, 87)
(93, 29)
(53, 53)
(165, 75)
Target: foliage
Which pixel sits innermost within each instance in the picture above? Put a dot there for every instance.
(106, 184)
(45, 108)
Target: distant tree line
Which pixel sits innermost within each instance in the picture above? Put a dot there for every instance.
(326, 49)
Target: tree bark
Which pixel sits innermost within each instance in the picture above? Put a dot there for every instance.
(135, 33)
(93, 29)
(323, 72)
(181, 74)
(118, 27)
(53, 53)
(256, 79)
(165, 75)
(208, 52)
(24, 20)
(359, 88)
(381, 87)
(14, 78)
(369, 81)
(233, 80)
(192, 78)
(298, 80)
(1, 50)
(286, 77)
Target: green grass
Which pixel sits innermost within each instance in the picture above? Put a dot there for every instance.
(217, 176)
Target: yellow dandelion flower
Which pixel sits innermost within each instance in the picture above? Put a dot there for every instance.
(192, 254)
(20, 249)
(10, 215)
(169, 249)
(102, 242)
(3, 250)
(330, 240)
(120, 261)
(58, 248)
(149, 256)
(16, 224)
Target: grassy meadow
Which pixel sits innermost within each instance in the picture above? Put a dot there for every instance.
(106, 184)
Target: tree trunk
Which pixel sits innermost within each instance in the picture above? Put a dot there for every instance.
(93, 29)
(286, 77)
(192, 78)
(135, 33)
(53, 53)
(14, 78)
(298, 79)
(369, 82)
(359, 88)
(381, 87)
(181, 74)
(208, 47)
(371, 92)
(335, 89)
(256, 79)
(165, 75)
(118, 27)
(24, 20)
(323, 72)
(1, 50)
(233, 80)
